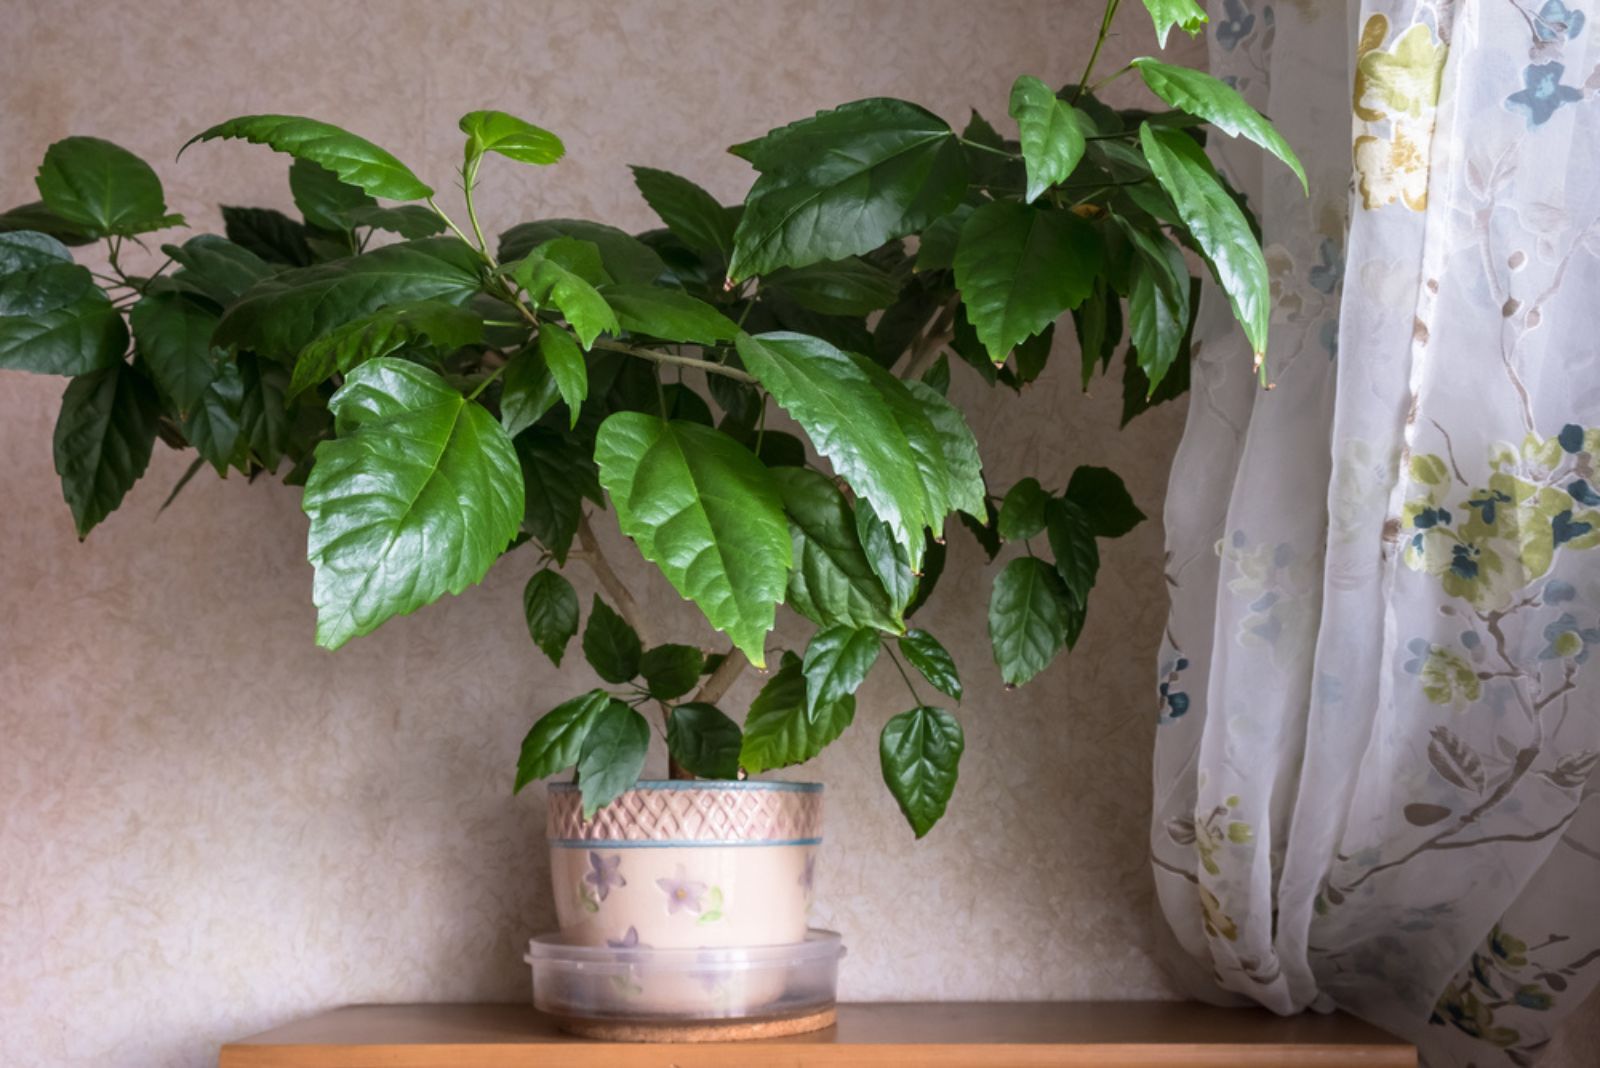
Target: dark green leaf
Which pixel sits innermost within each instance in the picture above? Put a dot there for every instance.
(1052, 134)
(669, 314)
(323, 199)
(103, 439)
(1103, 497)
(1098, 322)
(1220, 104)
(963, 465)
(213, 424)
(671, 671)
(556, 741)
(923, 651)
(987, 533)
(25, 250)
(920, 751)
(1033, 354)
(355, 160)
(528, 389)
(703, 510)
(216, 267)
(1135, 386)
(777, 731)
(511, 137)
(84, 336)
(102, 187)
(885, 556)
(689, 211)
(263, 410)
(40, 219)
(1187, 15)
(416, 497)
(269, 234)
(1158, 306)
(557, 474)
(551, 607)
(173, 334)
(1073, 545)
(937, 376)
(610, 645)
(933, 560)
(445, 327)
(836, 664)
(42, 288)
(703, 740)
(612, 756)
(410, 221)
(1027, 618)
(936, 248)
(837, 287)
(832, 581)
(626, 258)
(1022, 511)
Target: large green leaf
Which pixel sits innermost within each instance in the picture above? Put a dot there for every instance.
(612, 756)
(1019, 267)
(837, 287)
(886, 556)
(611, 646)
(444, 326)
(324, 199)
(511, 137)
(281, 315)
(626, 258)
(217, 268)
(557, 473)
(1072, 543)
(527, 388)
(670, 671)
(45, 287)
(78, 338)
(832, 581)
(556, 740)
(1052, 134)
(1100, 492)
(777, 731)
(354, 159)
(103, 439)
(932, 660)
(1187, 15)
(416, 497)
(843, 182)
(1216, 223)
(669, 314)
(564, 272)
(1028, 613)
(963, 464)
(173, 334)
(706, 512)
(550, 605)
(920, 751)
(844, 411)
(689, 211)
(703, 740)
(1220, 104)
(836, 663)
(102, 187)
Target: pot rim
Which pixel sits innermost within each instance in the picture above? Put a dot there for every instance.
(753, 785)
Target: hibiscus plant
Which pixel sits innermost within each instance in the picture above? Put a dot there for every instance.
(444, 398)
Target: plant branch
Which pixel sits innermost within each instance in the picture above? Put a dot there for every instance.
(1100, 39)
(931, 343)
(708, 366)
(719, 681)
(907, 678)
(609, 581)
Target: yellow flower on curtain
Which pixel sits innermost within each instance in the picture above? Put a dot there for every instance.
(1396, 94)
(1394, 169)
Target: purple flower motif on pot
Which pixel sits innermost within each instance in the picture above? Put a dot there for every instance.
(603, 873)
(808, 874)
(682, 893)
(627, 941)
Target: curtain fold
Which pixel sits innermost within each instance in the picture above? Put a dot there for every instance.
(1380, 723)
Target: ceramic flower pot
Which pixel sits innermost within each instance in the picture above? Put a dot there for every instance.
(686, 865)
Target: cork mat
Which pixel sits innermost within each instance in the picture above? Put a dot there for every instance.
(696, 1030)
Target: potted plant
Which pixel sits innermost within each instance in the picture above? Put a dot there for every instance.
(755, 394)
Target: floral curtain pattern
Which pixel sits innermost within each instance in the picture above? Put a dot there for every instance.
(1380, 712)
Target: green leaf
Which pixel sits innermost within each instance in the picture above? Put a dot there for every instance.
(567, 369)
(703, 510)
(102, 187)
(354, 159)
(1158, 306)
(849, 419)
(832, 581)
(1072, 543)
(1098, 324)
(777, 731)
(923, 651)
(557, 474)
(703, 740)
(1018, 268)
(410, 221)
(444, 326)
(324, 200)
(670, 671)
(625, 257)
(844, 182)
(933, 560)
(173, 333)
(511, 137)
(1028, 613)
(689, 211)
(669, 314)
(936, 248)
(612, 756)
(1187, 15)
(556, 740)
(610, 645)
(76, 339)
(281, 315)
(986, 533)
(1217, 225)
(887, 558)
(1101, 494)
(937, 376)
(920, 751)
(527, 388)
(44, 288)
(217, 268)
(25, 250)
(837, 287)
(836, 664)
(1022, 511)
(1052, 133)
(1217, 102)
(213, 423)
(271, 235)
(416, 497)
(564, 271)
(551, 607)
(34, 216)
(103, 439)
(963, 464)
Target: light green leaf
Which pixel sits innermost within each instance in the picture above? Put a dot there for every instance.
(920, 751)
(612, 756)
(1028, 613)
(610, 645)
(689, 211)
(670, 671)
(1019, 267)
(1105, 500)
(551, 606)
(931, 659)
(103, 439)
(669, 314)
(1073, 545)
(837, 287)
(703, 740)
(836, 664)
(511, 137)
(844, 182)
(963, 464)
(1022, 511)
(626, 258)
(886, 556)
(173, 334)
(445, 327)
(1217, 225)
(79, 338)
(567, 368)
(777, 731)
(705, 511)
(556, 740)
(324, 200)
(1187, 15)
(564, 272)
(1220, 104)
(102, 187)
(354, 159)
(1052, 134)
(416, 497)
(832, 581)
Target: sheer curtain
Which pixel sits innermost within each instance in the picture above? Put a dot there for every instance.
(1380, 716)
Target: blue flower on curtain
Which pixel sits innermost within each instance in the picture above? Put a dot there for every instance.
(1542, 92)
(1565, 638)
(1238, 25)
(1555, 21)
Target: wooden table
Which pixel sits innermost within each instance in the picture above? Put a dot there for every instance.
(1151, 1034)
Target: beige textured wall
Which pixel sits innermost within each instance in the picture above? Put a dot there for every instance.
(209, 826)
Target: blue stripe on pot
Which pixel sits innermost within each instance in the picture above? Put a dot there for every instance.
(710, 784)
(672, 843)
